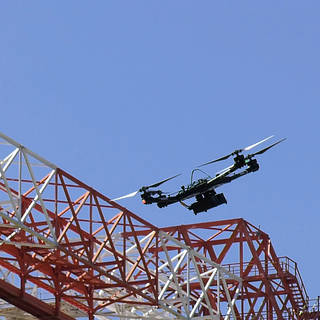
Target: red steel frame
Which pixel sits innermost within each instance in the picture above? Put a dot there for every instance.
(76, 246)
(86, 224)
(269, 289)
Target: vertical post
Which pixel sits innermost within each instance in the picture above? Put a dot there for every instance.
(157, 267)
(241, 272)
(91, 316)
(91, 217)
(218, 291)
(57, 297)
(266, 257)
(269, 304)
(124, 245)
(57, 231)
(188, 283)
(20, 177)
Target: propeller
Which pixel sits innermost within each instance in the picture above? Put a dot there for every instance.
(265, 149)
(160, 182)
(130, 195)
(256, 144)
(237, 151)
(157, 184)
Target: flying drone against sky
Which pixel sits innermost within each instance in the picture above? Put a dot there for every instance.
(203, 190)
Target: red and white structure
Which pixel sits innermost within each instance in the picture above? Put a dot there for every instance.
(67, 251)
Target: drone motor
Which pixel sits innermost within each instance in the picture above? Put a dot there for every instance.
(252, 165)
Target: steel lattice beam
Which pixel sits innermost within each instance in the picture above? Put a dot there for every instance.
(60, 235)
(268, 281)
(64, 240)
(65, 243)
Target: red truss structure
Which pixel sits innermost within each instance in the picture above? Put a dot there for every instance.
(272, 287)
(63, 237)
(67, 251)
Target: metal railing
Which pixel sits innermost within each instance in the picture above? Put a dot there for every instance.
(287, 265)
(314, 305)
(291, 267)
(265, 315)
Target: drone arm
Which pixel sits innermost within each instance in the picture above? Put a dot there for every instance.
(235, 176)
(222, 179)
(238, 175)
(216, 181)
(165, 201)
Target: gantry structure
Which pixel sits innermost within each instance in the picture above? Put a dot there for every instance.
(69, 252)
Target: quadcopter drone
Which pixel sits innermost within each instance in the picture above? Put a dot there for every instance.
(203, 190)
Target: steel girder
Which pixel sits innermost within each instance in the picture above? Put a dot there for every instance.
(60, 235)
(63, 242)
(272, 287)
(190, 286)
(193, 284)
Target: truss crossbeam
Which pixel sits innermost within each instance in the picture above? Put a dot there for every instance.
(64, 242)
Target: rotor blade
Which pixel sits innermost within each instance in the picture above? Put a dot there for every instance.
(267, 148)
(241, 150)
(256, 144)
(161, 182)
(216, 160)
(130, 195)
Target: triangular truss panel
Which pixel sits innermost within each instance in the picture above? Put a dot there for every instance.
(67, 239)
(192, 286)
(24, 181)
(189, 285)
(67, 251)
(272, 286)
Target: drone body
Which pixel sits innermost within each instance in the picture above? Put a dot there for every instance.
(203, 190)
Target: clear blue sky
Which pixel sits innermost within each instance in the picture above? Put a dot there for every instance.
(125, 93)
